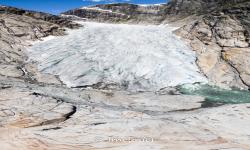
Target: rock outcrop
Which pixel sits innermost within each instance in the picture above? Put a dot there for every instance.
(221, 40)
(18, 28)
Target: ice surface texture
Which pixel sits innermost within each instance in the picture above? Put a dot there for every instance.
(135, 57)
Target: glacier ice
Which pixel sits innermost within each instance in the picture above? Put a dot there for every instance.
(135, 57)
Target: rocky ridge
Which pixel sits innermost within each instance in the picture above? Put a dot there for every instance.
(120, 13)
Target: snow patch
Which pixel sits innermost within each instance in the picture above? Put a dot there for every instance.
(101, 10)
(96, 9)
(150, 5)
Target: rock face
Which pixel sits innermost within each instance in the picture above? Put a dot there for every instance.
(120, 12)
(221, 40)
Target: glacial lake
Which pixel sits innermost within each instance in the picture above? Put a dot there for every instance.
(216, 94)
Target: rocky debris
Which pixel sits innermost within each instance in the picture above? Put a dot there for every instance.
(120, 12)
(168, 91)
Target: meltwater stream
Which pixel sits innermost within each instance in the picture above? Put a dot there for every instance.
(134, 57)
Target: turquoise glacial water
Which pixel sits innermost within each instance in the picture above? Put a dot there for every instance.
(216, 94)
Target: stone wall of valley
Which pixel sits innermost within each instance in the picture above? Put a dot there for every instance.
(221, 40)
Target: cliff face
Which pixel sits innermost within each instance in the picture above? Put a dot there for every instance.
(221, 39)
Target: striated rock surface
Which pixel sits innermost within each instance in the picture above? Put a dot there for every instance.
(54, 117)
(31, 109)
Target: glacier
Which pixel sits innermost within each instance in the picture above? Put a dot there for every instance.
(133, 57)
